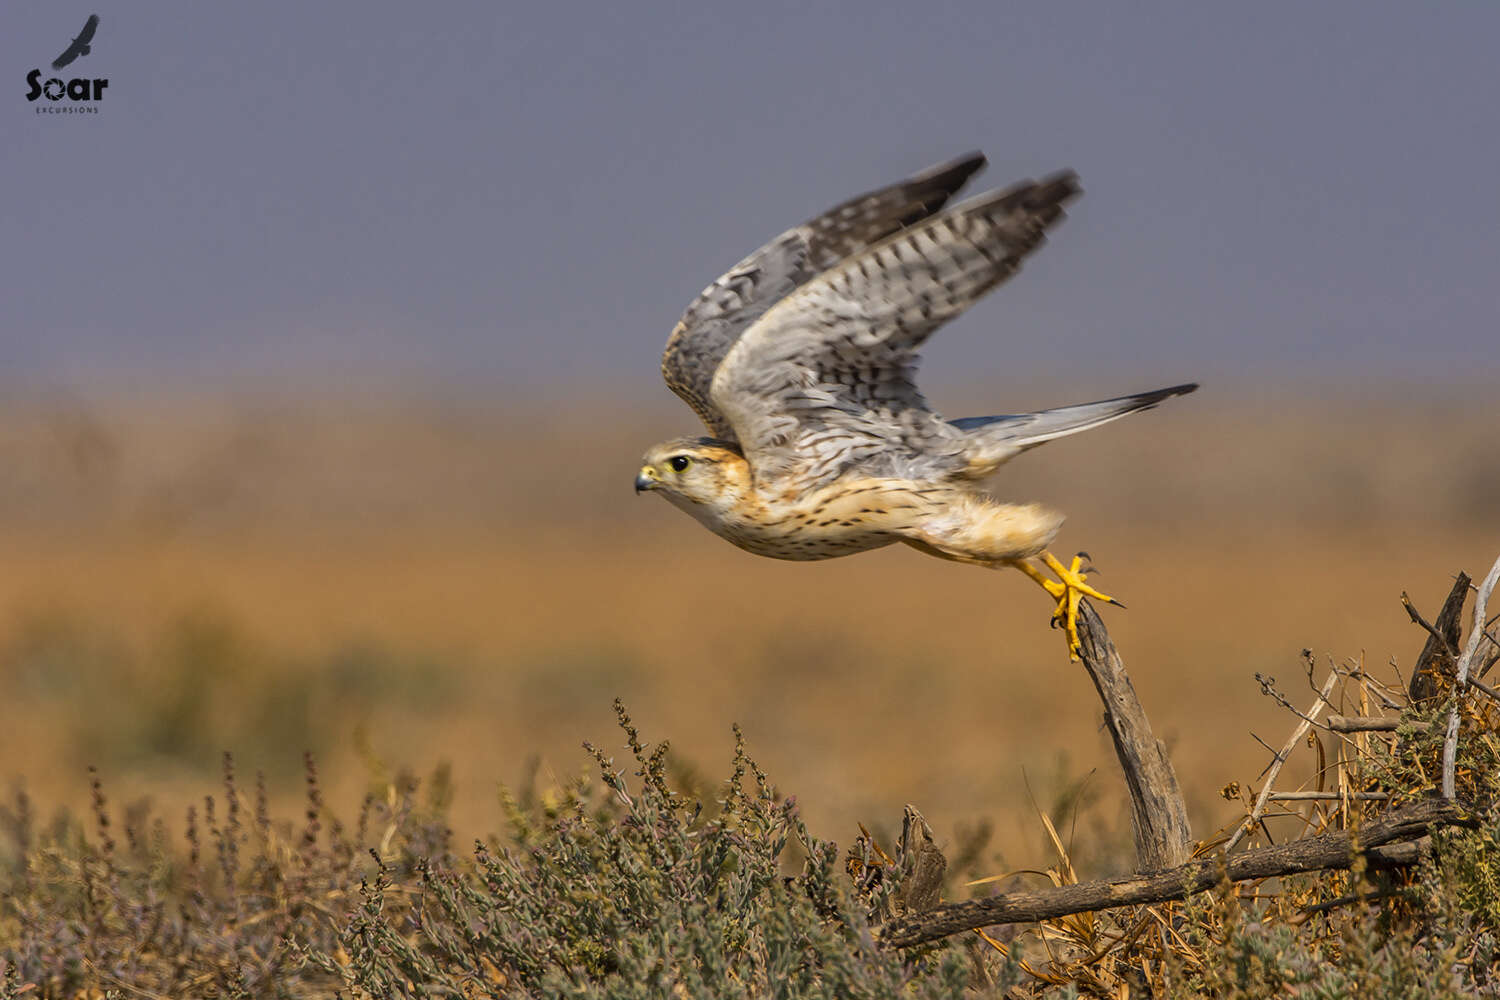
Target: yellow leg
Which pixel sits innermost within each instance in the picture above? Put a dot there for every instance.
(1069, 588)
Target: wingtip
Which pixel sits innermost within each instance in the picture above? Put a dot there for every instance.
(974, 159)
(961, 168)
(1160, 395)
(1060, 186)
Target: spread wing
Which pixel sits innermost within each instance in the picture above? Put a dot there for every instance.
(726, 308)
(823, 383)
(80, 45)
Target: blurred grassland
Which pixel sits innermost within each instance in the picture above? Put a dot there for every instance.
(392, 580)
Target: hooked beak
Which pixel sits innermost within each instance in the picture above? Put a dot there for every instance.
(645, 479)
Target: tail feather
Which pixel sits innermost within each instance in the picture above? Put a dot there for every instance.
(999, 438)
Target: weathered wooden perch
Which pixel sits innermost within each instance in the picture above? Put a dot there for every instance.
(1327, 852)
(1163, 837)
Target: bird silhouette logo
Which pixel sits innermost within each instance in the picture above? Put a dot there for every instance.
(80, 46)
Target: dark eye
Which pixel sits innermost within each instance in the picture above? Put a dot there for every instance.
(679, 462)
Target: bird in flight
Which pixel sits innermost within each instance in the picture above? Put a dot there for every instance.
(801, 360)
(80, 45)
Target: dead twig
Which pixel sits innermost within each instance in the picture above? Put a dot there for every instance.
(1462, 586)
(1259, 809)
(1309, 912)
(1327, 796)
(1268, 688)
(1368, 724)
(1475, 682)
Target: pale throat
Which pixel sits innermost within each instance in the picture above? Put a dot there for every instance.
(726, 509)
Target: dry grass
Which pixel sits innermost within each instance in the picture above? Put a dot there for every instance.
(417, 581)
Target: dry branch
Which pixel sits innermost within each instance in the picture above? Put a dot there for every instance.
(1163, 837)
(1328, 796)
(1327, 852)
(1489, 692)
(1371, 724)
(1407, 852)
(1461, 679)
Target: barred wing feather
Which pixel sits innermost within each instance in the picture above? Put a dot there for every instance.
(823, 383)
(720, 315)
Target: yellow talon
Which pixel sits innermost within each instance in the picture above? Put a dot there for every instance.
(1069, 588)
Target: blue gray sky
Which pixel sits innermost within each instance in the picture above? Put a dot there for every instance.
(522, 194)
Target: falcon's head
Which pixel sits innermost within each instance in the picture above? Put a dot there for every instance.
(693, 473)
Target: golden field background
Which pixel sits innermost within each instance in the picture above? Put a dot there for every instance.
(413, 578)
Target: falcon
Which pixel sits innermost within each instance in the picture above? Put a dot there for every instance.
(801, 361)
